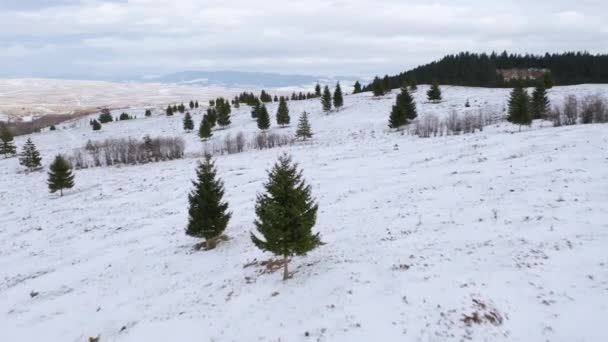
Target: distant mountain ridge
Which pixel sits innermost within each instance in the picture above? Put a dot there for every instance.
(242, 79)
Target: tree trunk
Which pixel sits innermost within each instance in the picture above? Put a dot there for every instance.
(61, 192)
(285, 269)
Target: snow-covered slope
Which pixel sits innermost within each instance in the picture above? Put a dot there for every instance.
(420, 233)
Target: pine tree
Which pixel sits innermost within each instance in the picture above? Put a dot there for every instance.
(124, 116)
(519, 111)
(96, 125)
(223, 116)
(188, 123)
(208, 214)
(286, 214)
(338, 98)
(326, 99)
(255, 109)
(378, 87)
(357, 89)
(548, 80)
(52, 128)
(434, 94)
(403, 111)
(169, 111)
(60, 175)
(196, 104)
(204, 132)
(7, 147)
(386, 84)
(276, 99)
(105, 116)
(317, 90)
(540, 101)
(191, 105)
(212, 116)
(263, 118)
(30, 157)
(304, 131)
(413, 84)
(148, 112)
(283, 113)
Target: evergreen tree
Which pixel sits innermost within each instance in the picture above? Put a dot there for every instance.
(403, 111)
(105, 116)
(283, 113)
(60, 175)
(338, 98)
(317, 90)
(204, 132)
(124, 116)
(211, 103)
(7, 147)
(169, 111)
(286, 214)
(223, 116)
(540, 101)
(378, 87)
(413, 84)
(357, 88)
(191, 104)
(386, 84)
(196, 104)
(326, 99)
(96, 125)
(212, 116)
(188, 123)
(30, 157)
(255, 109)
(304, 131)
(276, 99)
(52, 128)
(434, 94)
(519, 111)
(548, 80)
(263, 118)
(208, 214)
(148, 112)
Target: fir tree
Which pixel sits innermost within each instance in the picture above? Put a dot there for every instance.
(211, 103)
(519, 111)
(467, 104)
(413, 84)
(276, 99)
(283, 113)
(326, 99)
(286, 214)
(7, 147)
(403, 111)
(263, 118)
(338, 98)
(204, 132)
(60, 175)
(196, 104)
(223, 116)
(188, 123)
(378, 87)
(124, 116)
(255, 109)
(548, 80)
(169, 111)
(148, 112)
(304, 131)
(30, 157)
(96, 125)
(52, 128)
(181, 108)
(212, 116)
(386, 84)
(191, 105)
(540, 101)
(317, 90)
(105, 116)
(357, 89)
(208, 214)
(434, 94)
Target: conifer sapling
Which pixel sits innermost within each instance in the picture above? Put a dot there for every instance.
(283, 113)
(7, 147)
(30, 157)
(60, 175)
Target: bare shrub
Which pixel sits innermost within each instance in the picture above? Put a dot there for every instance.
(570, 110)
(593, 109)
(556, 116)
(240, 142)
(453, 124)
(427, 127)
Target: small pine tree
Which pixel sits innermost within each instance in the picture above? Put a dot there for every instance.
(378, 87)
(519, 111)
(169, 111)
(96, 125)
(317, 90)
(467, 104)
(52, 128)
(304, 131)
(208, 214)
(540, 101)
(204, 132)
(434, 94)
(548, 80)
(283, 113)
(357, 89)
(188, 123)
(263, 118)
(413, 84)
(255, 109)
(105, 116)
(7, 147)
(326, 99)
(191, 105)
(148, 112)
(386, 84)
(30, 157)
(124, 116)
(60, 175)
(212, 116)
(196, 104)
(338, 98)
(403, 111)
(286, 213)
(223, 117)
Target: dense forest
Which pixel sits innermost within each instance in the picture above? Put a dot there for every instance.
(482, 70)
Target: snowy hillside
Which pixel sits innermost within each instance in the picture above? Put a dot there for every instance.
(492, 236)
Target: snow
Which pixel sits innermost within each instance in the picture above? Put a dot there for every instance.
(415, 231)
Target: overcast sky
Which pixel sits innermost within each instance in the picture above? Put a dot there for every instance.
(109, 38)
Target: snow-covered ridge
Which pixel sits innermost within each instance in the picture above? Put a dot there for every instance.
(419, 233)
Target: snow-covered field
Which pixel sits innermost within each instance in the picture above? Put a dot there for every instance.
(420, 233)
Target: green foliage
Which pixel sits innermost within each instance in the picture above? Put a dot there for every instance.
(204, 132)
(263, 118)
(326, 99)
(124, 116)
(519, 107)
(338, 98)
(169, 111)
(60, 175)
(304, 131)
(286, 214)
(148, 112)
(255, 109)
(540, 105)
(7, 147)
(548, 80)
(191, 104)
(434, 94)
(283, 113)
(52, 127)
(208, 214)
(412, 83)
(196, 104)
(317, 90)
(378, 87)
(212, 116)
(265, 97)
(357, 89)
(30, 157)
(188, 123)
(223, 112)
(403, 111)
(105, 116)
(96, 125)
